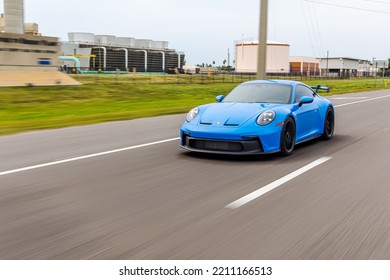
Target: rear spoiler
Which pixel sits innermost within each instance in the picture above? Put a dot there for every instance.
(319, 87)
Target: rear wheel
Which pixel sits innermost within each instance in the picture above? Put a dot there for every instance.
(287, 137)
(328, 124)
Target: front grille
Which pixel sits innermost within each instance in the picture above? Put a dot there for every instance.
(210, 145)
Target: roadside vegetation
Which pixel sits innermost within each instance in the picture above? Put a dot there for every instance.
(104, 98)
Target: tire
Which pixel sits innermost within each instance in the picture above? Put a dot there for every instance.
(287, 137)
(328, 124)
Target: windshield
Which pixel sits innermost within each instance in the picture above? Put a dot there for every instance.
(260, 93)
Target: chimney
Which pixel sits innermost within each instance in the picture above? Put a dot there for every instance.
(14, 16)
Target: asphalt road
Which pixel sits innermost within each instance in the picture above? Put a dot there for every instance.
(112, 191)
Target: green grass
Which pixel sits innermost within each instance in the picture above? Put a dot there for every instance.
(104, 98)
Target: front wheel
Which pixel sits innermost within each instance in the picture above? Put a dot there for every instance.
(287, 137)
(328, 124)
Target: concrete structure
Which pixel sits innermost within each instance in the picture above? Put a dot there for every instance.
(303, 65)
(28, 52)
(30, 60)
(29, 27)
(14, 16)
(278, 57)
(24, 56)
(111, 53)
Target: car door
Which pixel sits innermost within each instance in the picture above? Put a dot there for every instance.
(307, 115)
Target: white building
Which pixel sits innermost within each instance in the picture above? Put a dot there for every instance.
(339, 66)
(278, 57)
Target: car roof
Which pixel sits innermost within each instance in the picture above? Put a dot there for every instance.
(281, 82)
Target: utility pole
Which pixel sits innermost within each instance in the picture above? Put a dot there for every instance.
(375, 65)
(327, 63)
(228, 58)
(262, 47)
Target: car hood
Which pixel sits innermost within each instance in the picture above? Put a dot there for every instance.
(231, 114)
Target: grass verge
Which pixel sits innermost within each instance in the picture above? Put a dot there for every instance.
(104, 98)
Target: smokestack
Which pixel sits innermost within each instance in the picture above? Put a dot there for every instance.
(14, 16)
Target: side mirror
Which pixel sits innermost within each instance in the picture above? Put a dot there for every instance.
(219, 98)
(305, 100)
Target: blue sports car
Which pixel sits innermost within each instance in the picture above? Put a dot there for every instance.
(259, 117)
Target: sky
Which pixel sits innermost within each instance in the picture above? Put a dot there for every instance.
(205, 30)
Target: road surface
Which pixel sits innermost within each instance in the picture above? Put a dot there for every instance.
(125, 190)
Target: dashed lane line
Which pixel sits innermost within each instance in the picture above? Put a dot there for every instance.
(86, 156)
(263, 190)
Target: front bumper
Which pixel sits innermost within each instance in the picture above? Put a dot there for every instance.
(249, 139)
(236, 147)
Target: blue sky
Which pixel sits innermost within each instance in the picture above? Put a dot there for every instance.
(206, 29)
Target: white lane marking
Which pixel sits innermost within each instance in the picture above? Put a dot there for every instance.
(253, 195)
(361, 101)
(85, 157)
(349, 98)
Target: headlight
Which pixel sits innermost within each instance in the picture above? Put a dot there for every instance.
(266, 117)
(192, 114)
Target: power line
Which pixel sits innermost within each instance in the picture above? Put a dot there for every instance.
(317, 33)
(377, 1)
(308, 28)
(348, 7)
(313, 28)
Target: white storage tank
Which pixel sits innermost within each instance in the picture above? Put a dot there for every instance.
(278, 57)
(13, 16)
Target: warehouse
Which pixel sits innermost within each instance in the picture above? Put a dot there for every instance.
(303, 65)
(110, 53)
(340, 66)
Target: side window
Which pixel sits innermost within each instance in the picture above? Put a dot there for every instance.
(302, 91)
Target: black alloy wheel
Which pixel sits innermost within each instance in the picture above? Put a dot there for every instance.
(328, 124)
(287, 137)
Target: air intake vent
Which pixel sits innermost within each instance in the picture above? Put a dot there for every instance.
(216, 145)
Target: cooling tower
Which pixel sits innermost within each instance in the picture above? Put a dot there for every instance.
(13, 16)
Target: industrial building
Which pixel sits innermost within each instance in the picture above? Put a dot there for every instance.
(26, 58)
(278, 55)
(28, 52)
(346, 67)
(85, 52)
(303, 65)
